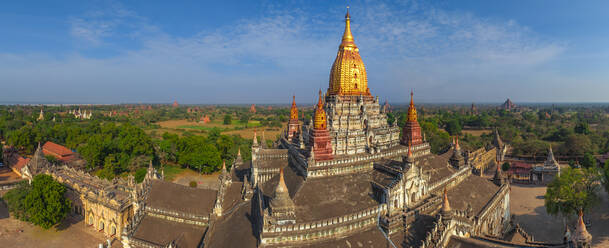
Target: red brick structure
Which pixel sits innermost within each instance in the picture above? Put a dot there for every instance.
(411, 134)
(320, 137)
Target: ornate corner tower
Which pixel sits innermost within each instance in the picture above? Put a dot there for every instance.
(293, 123)
(412, 130)
(321, 144)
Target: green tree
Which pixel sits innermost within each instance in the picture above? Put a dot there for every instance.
(605, 176)
(140, 174)
(46, 204)
(588, 160)
(14, 199)
(52, 159)
(505, 166)
(227, 119)
(453, 127)
(582, 128)
(573, 190)
(390, 118)
(244, 118)
(576, 145)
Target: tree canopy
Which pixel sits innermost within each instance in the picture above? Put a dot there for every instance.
(42, 203)
(573, 190)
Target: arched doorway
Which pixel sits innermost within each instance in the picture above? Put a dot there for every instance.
(113, 230)
(101, 225)
(91, 220)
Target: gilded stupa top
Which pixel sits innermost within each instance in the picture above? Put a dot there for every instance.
(412, 111)
(348, 74)
(294, 109)
(320, 115)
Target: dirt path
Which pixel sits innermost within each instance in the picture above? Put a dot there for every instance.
(527, 203)
(203, 181)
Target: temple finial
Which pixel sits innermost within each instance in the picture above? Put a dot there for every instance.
(347, 36)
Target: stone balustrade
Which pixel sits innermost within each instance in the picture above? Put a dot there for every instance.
(460, 175)
(199, 220)
(321, 229)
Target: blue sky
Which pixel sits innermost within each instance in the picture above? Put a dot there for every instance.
(265, 51)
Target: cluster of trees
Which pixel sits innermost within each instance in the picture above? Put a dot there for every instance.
(114, 149)
(576, 189)
(204, 154)
(42, 203)
(109, 148)
(575, 132)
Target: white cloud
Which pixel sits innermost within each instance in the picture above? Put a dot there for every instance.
(443, 55)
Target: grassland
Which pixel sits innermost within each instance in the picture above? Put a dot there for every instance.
(199, 128)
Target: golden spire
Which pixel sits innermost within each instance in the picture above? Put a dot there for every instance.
(347, 36)
(348, 74)
(412, 111)
(294, 109)
(320, 115)
(457, 144)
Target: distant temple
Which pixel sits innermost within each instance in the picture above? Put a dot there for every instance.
(253, 109)
(175, 104)
(473, 109)
(81, 114)
(508, 105)
(205, 119)
(41, 115)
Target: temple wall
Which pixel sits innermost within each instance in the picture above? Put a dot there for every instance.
(321, 229)
(356, 125)
(453, 180)
(481, 159)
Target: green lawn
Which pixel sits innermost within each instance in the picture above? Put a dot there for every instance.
(172, 170)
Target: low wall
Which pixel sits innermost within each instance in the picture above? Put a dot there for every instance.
(322, 229)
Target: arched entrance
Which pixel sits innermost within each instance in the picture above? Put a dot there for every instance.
(113, 230)
(91, 220)
(101, 225)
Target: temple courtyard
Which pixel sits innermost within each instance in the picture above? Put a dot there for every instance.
(71, 233)
(527, 203)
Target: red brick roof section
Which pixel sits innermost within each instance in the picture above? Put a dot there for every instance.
(21, 162)
(50, 148)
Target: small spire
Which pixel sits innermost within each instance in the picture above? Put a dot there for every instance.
(581, 235)
(255, 141)
(457, 144)
(445, 204)
(281, 187)
(239, 152)
(223, 165)
(410, 149)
